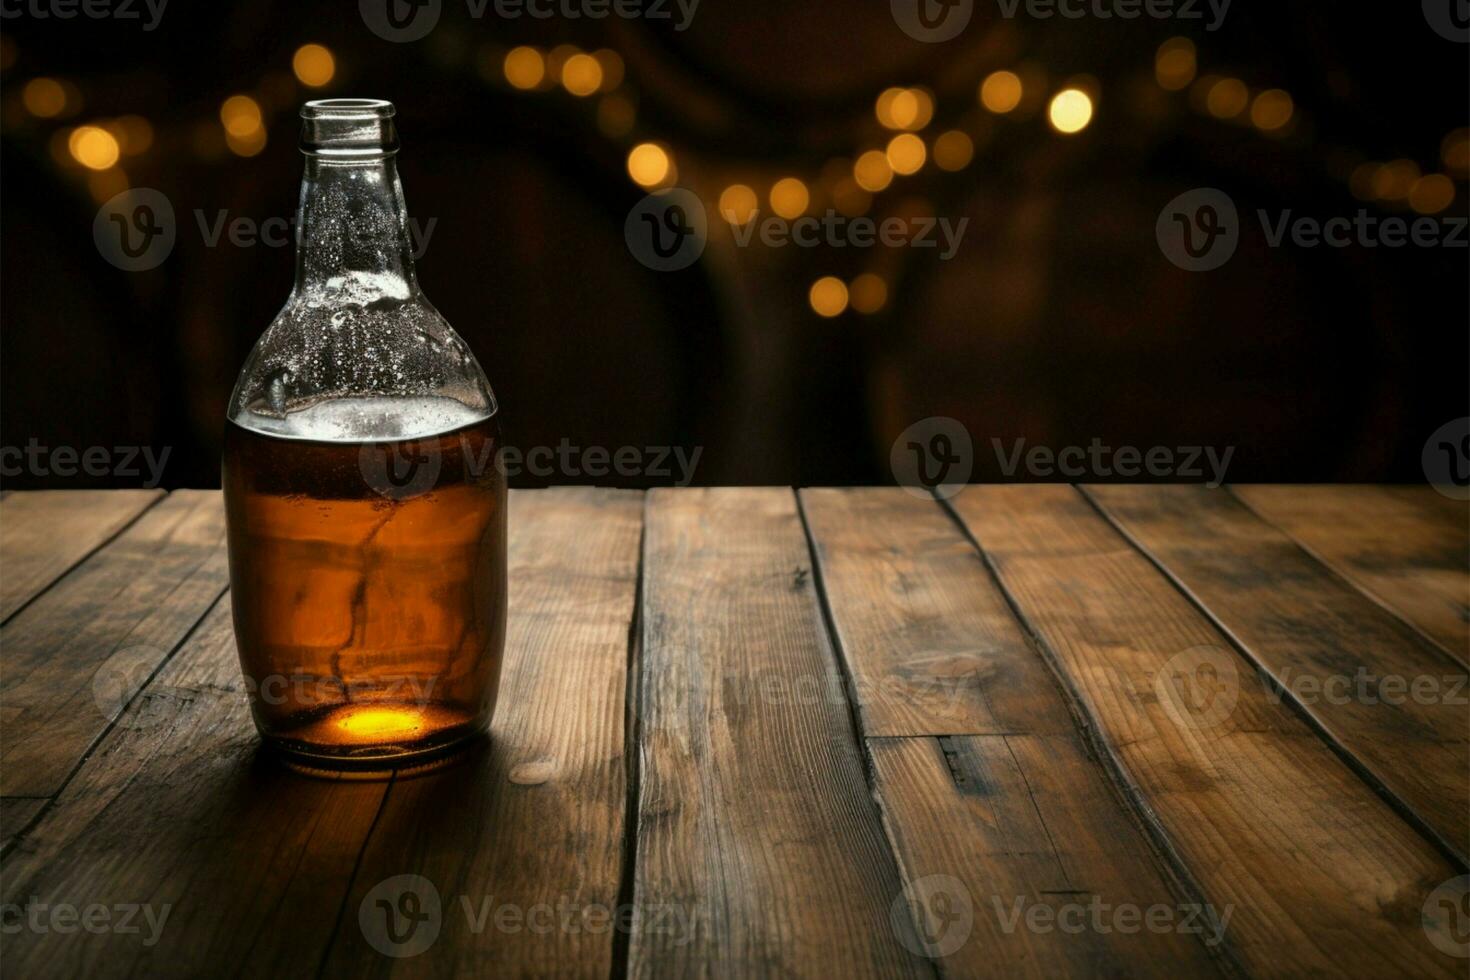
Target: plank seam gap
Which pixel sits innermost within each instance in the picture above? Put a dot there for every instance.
(619, 964)
(107, 729)
(839, 660)
(1354, 586)
(1175, 870)
(321, 968)
(85, 558)
(1355, 765)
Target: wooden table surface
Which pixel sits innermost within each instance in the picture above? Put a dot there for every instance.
(1035, 730)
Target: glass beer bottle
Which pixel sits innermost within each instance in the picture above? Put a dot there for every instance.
(366, 512)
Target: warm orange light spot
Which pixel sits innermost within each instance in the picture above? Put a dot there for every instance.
(953, 150)
(581, 75)
(868, 293)
(1227, 98)
(1175, 63)
(44, 97)
(1395, 180)
(1001, 91)
(1455, 152)
(905, 108)
(872, 172)
(371, 723)
(612, 68)
(789, 197)
(104, 185)
(1070, 111)
(849, 198)
(649, 164)
(1432, 194)
(1272, 110)
(524, 67)
(738, 204)
(240, 115)
(314, 65)
(93, 147)
(828, 296)
(248, 145)
(134, 134)
(906, 154)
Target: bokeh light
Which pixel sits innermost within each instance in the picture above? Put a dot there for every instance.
(1455, 152)
(611, 64)
(1175, 64)
(738, 204)
(1272, 110)
(872, 172)
(314, 65)
(581, 75)
(240, 115)
(953, 150)
(248, 145)
(828, 296)
(1070, 111)
(44, 97)
(1227, 98)
(904, 108)
(1001, 91)
(524, 67)
(868, 293)
(1432, 194)
(849, 198)
(789, 197)
(93, 147)
(649, 164)
(1395, 180)
(906, 154)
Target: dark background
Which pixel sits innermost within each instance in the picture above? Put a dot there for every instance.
(1058, 321)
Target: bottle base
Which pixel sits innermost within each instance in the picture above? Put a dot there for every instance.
(377, 741)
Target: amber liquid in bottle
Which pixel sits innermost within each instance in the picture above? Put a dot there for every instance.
(368, 587)
(366, 511)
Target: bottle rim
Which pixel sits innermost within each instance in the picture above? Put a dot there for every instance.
(348, 130)
(348, 109)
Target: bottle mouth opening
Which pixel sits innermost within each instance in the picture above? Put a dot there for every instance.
(348, 129)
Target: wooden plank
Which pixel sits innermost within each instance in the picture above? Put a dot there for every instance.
(929, 642)
(43, 533)
(1018, 818)
(522, 846)
(215, 855)
(72, 658)
(754, 820)
(1407, 547)
(16, 813)
(1377, 688)
(1321, 874)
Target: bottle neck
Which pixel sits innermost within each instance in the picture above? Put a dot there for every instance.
(353, 241)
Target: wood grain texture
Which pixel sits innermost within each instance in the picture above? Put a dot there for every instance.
(74, 656)
(754, 819)
(43, 533)
(1037, 870)
(1408, 547)
(237, 863)
(928, 640)
(16, 813)
(1387, 695)
(1017, 819)
(523, 843)
(1321, 874)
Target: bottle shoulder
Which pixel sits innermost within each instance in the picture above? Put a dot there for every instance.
(381, 346)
